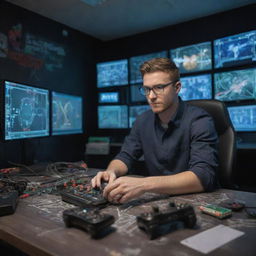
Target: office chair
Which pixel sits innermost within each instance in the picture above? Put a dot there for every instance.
(227, 138)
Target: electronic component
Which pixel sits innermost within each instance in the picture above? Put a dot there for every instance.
(8, 202)
(216, 211)
(95, 223)
(158, 222)
(233, 205)
(92, 198)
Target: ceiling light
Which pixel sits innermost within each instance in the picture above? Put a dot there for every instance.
(93, 2)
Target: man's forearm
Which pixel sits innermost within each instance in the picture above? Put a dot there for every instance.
(181, 183)
(118, 167)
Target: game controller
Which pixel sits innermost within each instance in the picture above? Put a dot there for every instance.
(91, 221)
(156, 222)
(8, 202)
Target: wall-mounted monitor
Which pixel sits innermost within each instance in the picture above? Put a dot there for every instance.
(134, 111)
(235, 85)
(112, 73)
(108, 97)
(235, 50)
(66, 114)
(196, 87)
(135, 62)
(193, 58)
(243, 118)
(26, 111)
(136, 96)
(113, 117)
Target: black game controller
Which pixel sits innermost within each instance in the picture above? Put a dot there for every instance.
(8, 202)
(95, 223)
(157, 223)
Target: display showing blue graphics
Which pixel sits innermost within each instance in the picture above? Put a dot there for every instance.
(134, 111)
(235, 85)
(112, 73)
(110, 117)
(192, 58)
(135, 62)
(196, 87)
(66, 114)
(235, 50)
(136, 96)
(108, 97)
(243, 118)
(26, 111)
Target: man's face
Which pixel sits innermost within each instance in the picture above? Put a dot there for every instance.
(164, 100)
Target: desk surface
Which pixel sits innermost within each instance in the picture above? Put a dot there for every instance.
(37, 228)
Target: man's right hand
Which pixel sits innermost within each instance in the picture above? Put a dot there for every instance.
(107, 176)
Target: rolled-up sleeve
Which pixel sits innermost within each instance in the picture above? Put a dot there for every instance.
(203, 152)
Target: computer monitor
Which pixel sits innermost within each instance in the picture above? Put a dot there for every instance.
(26, 111)
(235, 50)
(235, 85)
(136, 96)
(113, 117)
(67, 117)
(243, 118)
(108, 97)
(112, 73)
(134, 111)
(135, 62)
(196, 87)
(193, 58)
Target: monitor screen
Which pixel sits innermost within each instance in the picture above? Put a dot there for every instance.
(112, 73)
(235, 85)
(108, 97)
(243, 118)
(136, 96)
(135, 62)
(235, 50)
(26, 111)
(66, 114)
(134, 111)
(193, 58)
(196, 87)
(111, 117)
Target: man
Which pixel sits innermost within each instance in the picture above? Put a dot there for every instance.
(178, 142)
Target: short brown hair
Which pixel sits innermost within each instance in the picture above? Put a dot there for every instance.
(160, 64)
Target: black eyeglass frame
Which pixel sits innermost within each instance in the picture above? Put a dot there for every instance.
(160, 86)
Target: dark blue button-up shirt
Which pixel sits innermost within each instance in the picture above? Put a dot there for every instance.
(189, 143)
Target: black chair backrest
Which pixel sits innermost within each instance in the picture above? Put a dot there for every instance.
(227, 138)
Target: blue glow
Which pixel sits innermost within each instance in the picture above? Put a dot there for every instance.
(134, 111)
(66, 114)
(108, 97)
(136, 96)
(114, 116)
(26, 111)
(196, 87)
(112, 73)
(243, 118)
(235, 50)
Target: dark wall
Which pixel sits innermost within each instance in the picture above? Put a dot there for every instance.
(43, 53)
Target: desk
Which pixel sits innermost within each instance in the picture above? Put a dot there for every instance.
(37, 228)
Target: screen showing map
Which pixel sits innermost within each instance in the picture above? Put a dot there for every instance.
(26, 111)
(113, 117)
(135, 62)
(196, 87)
(193, 58)
(112, 73)
(235, 85)
(235, 50)
(243, 118)
(134, 111)
(66, 114)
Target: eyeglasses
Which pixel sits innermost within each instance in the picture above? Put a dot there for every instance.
(157, 89)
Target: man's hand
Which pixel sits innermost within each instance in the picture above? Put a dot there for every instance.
(124, 188)
(107, 176)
